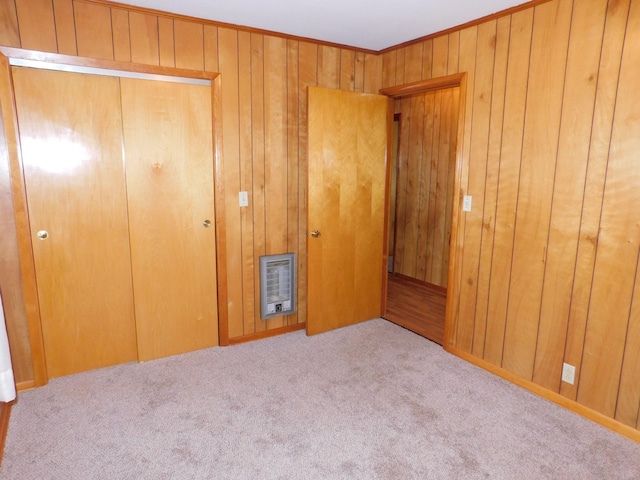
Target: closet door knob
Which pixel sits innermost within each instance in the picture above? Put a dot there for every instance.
(42, 234)
(206, 223)
(315, 234)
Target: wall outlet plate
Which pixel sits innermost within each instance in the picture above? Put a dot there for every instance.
(243, 198)
(466, 203)
(568, 373)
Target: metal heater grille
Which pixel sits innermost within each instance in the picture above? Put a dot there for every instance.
(277, 285)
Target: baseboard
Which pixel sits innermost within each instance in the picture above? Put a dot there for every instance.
(5, 414)
(434, 288)
(26, 385)
(554, 397)
(267, 333)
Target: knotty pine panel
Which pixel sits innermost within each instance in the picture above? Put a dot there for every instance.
(264, 123)
(552, 242)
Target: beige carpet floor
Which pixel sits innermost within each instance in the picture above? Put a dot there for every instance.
(372, 401)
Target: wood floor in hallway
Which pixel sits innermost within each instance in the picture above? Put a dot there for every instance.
(417, 307)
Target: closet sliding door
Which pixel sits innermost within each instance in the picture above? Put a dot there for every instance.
(168, 148)
(119, 184)
(71, 140)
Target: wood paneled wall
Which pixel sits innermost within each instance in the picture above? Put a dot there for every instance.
(549, 270)
(264, 80)
(426, 154)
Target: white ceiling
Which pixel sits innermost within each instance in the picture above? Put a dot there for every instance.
(369, 24)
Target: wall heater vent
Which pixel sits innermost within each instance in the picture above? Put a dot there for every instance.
(277, 285)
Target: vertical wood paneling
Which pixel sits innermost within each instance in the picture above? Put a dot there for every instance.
(503, 30)
(427, 145)
(246, 180)
(485, 52)
(467, 62)
(573, 151)
(432, 189)
(328, 66)
(166, 43)
(372, 73)
(413, 62)
(514, 108)
(228, 58)
(307, 68)
(608, 75)
(358, 82)
(440, 241)
(189, 44)
(275, 127)
(539, 152)
(211, 48)
(389, 69)
(293, 159)
(426, 152)
(9, 34)
(144, 38)
(65, 27)
(454, 52)
(440, 56)
(618, 244)
(413, 119)
(121, 40)
(400, 61)
(427, 59)
(36, 25)
(93, 30)
(347, 69)
(258, 196)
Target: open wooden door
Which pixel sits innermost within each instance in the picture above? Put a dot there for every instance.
(347, 258)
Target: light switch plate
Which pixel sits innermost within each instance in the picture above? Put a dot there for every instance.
(244, 199)
(466, 203)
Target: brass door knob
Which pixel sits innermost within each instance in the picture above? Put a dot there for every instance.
(206, 223)
(42, 234)
(315, 234)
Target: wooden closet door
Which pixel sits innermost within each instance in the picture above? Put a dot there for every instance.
(71, 141)
(169, 167)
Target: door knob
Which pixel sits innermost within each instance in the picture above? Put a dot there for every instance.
(315, 234)
(206, 223)
(42, 234)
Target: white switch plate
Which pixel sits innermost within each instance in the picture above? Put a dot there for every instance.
(466, 203)
(568, 373)
(244, 199)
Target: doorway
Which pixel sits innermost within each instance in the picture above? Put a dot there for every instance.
(424, 155)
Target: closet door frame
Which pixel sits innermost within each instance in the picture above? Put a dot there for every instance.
(14, 56)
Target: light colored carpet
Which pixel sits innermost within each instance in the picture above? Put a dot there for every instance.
(372, 401)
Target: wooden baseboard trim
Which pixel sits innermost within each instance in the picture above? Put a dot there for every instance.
(26, 385)
(267, 333)
(554, 397)
(434, 288)
(5, 414)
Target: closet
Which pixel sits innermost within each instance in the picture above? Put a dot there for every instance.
(119, 182)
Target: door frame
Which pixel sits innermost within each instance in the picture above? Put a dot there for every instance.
(26, 288)
(457, 220)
